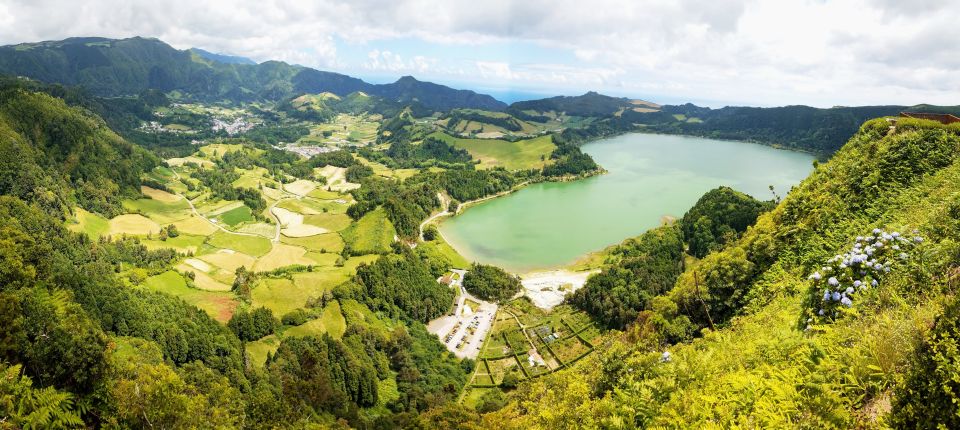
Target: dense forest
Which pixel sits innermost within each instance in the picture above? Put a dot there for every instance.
(491, 283)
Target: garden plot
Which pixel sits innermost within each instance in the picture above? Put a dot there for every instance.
(292, 224)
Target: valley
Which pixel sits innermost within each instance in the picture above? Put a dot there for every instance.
(192, 240)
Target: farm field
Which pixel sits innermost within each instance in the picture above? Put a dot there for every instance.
(373, 233)
(522, 154)
(529, 342)
(88, 223)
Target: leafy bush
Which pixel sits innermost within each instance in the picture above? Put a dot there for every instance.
(930, 395)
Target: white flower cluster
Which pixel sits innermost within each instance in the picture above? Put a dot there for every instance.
(860, 268)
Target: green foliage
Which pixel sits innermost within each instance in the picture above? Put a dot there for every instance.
(569, 160)
(719, 217)
(296, 317)
(357, 172)
(649, 265)
(253, 325)
(491, 283)
(93, 166)
(24, 406)
(428, 152)
(930, 395)
(400, 285)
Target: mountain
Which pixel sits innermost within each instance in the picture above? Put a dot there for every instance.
(221, 58)
(589, 104)
(122, 67)
(440, 97)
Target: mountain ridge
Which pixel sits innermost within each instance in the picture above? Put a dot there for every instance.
(123, 67)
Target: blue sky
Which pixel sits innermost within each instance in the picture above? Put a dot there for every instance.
(718, 52)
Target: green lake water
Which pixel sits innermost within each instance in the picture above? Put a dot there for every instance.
(548, 225)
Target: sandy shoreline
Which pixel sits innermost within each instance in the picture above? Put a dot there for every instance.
(547, 289)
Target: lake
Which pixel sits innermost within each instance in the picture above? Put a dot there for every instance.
(548, 225)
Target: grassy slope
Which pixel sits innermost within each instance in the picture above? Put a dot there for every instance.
(373, 233)
(763, 369)
(522, 154)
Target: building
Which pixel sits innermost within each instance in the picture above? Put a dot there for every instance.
(943, 118)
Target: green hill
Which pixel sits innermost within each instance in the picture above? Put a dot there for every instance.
(119, 67)
(748, 337)
(60, 156)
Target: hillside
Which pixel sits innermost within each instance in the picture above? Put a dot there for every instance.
(588, 104)
(748, 337)
(119, 67)
(59, 156)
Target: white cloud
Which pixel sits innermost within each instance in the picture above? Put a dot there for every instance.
(754, 51)
(388, 61)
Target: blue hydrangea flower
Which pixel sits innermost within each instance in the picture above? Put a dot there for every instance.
(665, 357)
(835, 296)
(846, 302)
(877, 231)
(821, 312)
(815, 276)
(874, 282)
(857, 283)
(849, 290)
(833, 281)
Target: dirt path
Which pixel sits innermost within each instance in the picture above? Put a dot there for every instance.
(445, 205)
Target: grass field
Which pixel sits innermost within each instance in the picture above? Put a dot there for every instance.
(133, 224)
(282, 255)
(285, 295)
(195, 225)
(329, 222)
(251, 245)
(183, 243)
(439, 249)
(257, 351)
(220, 305)
(331, 321)
(228, 261)
(159, 211)
(523, 154)
(236, 216)
(372, 233)
(357, 313)
(330, 242)
(89, 223)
